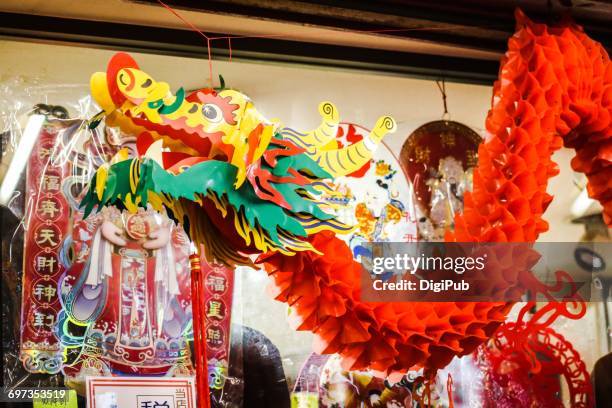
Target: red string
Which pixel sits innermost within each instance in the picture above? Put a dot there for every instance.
(194, 28)
(230, 37)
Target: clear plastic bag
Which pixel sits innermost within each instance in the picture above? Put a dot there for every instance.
(33, 119)
(105, 295)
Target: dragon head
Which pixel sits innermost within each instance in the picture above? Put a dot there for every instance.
(240, 182)
(204, 123)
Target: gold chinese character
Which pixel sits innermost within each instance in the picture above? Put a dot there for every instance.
(39, 319)
(216, 283)
(214, 309)
(44, 262)
(448, 139)
(46, 236)
(51, 183)
(43, 320)
(48, 208)
(47, 292)
(422, 154)
(213, 334)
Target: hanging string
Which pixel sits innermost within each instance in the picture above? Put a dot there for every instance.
(442, 88)
(229, 46)
(209, 39)
(194, 28)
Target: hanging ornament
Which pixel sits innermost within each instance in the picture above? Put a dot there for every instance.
(247, 186)
(439, 158)
(528, 364)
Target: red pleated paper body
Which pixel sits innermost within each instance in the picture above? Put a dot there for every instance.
(554, 88)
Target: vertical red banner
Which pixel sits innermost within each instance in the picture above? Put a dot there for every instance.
(47, 219)
(218, 292)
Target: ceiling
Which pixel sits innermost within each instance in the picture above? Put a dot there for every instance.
(460, 40)
(475, 24)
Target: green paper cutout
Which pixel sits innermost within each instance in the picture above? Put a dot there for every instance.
(202, 179)
(178, 101)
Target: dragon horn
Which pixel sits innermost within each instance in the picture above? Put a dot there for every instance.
(341, 162)
(322, 135)
(384, 125)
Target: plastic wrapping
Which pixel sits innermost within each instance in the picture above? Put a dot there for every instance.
(108, 295)
(35, 120)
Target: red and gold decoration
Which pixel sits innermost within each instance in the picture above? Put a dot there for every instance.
(247, 187)
(439, 158)
(244, 185)
(47, 223)
(218, 292)
(126, 298)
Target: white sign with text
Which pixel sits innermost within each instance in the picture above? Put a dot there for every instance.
(140, 392)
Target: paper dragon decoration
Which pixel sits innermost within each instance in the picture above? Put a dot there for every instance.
(242, 184)
(246, 187)
(555, 88)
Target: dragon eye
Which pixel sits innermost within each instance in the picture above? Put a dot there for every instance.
(212, 112)
(147, 83)
(122, 79)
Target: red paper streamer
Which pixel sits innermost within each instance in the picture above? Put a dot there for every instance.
(217, 292)
(555, 88)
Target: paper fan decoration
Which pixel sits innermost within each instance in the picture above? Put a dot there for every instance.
(439, 158)
(553, 89)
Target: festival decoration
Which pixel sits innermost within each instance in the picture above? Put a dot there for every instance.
(230, 172)
(244, 186)
(48, 214)
(528, 363)
(217, 291)
(376, 199)
(555, 88)
(124, 294)
(510, 381)
(506, 205)
(339, 388)
(439, 158)
(126, 297)
(500, 373)
(240, 184)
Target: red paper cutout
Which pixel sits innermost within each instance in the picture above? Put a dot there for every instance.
(555, 88)
(553, 81)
